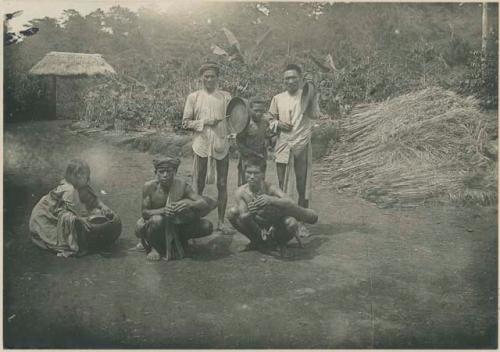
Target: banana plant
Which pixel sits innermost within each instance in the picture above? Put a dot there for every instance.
(325, 65)
(251, 56)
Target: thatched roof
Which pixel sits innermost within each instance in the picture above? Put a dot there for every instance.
(72, 65)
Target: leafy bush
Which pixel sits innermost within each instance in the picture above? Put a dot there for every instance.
(481, 77)
(395, 49)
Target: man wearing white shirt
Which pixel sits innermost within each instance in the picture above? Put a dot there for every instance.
(293, 152)
(204, 114)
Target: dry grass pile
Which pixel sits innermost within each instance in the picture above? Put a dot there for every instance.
(427, 145)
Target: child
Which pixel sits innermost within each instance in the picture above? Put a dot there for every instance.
(71, 219)
(253, 141)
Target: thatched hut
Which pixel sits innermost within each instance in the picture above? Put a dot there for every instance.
(71, 65)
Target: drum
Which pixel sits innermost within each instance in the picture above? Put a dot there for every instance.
(237, 114)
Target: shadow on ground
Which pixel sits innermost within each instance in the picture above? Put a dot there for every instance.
(367, 277)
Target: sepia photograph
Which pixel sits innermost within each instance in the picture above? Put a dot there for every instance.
(250, 175)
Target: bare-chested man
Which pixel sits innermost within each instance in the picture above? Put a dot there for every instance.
(171, 213)
(263, 210)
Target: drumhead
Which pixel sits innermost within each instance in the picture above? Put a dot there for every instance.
(237, 115)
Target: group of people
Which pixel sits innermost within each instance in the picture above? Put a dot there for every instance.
(72, 220)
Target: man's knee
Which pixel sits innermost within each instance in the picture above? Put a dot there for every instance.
(245, 217)
(211, 203)
(195, 230)
(313, 217)
(155, 223)
(232, 214)
(310, 216)
(206, 227)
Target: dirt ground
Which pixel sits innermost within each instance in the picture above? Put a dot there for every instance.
(367, 277)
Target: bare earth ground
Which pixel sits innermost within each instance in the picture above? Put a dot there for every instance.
(367, 277)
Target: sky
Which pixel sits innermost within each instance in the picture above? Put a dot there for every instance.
(53, 8)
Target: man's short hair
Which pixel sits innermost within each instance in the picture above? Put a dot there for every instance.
(293, 67)
(209, 65)
(74, 166)
(256, 99)
(252, 161)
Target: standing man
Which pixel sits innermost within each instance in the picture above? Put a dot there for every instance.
(293, 151)
(205, 115)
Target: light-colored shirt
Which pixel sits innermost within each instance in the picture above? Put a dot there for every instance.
(287, 108)
(208, 141)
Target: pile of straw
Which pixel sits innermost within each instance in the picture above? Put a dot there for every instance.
(418, 147)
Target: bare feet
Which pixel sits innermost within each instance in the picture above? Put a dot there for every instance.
(226, 230)
(153, 255)
(303, 230)
(252, 246)
(137, 248)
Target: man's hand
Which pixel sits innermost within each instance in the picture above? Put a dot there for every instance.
(263, 201)
(211, 122)
(284, 126)
(260, 203)
(169, 211)
(253, 208)
(180, 206)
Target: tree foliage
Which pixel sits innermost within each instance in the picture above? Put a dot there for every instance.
(354, 52)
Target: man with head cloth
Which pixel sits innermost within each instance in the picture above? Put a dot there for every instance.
(204, 114)
(171, 212)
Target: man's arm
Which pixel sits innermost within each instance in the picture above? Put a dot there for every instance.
(147, 211)
(188, 118)
(278, 198)
(193, 200)
(242, 205)
(274, 112)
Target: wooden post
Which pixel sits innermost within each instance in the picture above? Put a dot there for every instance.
(484, 37)
(53, 97)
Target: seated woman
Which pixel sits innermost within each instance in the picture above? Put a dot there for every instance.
(71, 220)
